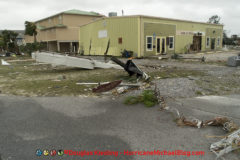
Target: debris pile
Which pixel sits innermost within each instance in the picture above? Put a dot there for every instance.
(131, 68)
(224, 146)
(227, 144)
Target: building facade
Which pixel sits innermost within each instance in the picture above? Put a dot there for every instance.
(147, 36)
(60, 32)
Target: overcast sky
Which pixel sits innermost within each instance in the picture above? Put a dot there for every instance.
(13, 13)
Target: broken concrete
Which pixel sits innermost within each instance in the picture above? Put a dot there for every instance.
(57, 59)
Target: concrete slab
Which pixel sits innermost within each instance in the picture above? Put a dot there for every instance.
(77, 123)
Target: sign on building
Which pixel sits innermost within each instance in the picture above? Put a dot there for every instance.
(102, 34)
(190, 33)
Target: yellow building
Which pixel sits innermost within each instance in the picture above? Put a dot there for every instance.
(146, 36)
(60, 32)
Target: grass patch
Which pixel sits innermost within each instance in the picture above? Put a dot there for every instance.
(148, 98)
(199, 93)
(24, 78)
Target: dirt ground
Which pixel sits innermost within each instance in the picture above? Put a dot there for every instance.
(174, 78)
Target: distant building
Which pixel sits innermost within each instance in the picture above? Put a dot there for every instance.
(60, 32)
(20, 38)
(147, 36)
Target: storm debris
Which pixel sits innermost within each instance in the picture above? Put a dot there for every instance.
(4, 63)
(131, 68)
(57, 59)
(106, 87)
(226, 145)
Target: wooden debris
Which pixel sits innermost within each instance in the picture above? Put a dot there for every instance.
(106, 87)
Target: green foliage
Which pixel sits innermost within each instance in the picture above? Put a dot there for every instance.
(215, 19)
(227, 40)
(31, 29)
(1, 42)
(7, 40)
(148, 98)
(31, 47)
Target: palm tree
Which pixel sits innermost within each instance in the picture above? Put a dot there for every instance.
(31, 30)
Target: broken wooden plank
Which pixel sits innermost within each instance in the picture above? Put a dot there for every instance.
(106, 87)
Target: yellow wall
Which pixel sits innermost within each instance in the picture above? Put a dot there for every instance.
(118, 27)
(133, 31)
(183, 40)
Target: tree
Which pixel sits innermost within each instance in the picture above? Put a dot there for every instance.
(227, 40)
(1, 43)
(9, 38)
(31, 29)
(215, 19)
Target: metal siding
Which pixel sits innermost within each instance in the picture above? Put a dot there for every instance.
(126, 28)
(161, 30)
(182, 40)
(210, 34)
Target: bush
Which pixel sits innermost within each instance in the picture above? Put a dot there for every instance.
(31, 47)
(148, 98)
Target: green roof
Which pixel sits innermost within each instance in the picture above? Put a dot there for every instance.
(56, 26)
(75, 11)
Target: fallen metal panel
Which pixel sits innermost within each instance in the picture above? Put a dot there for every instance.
(57, 59)
(98, 64)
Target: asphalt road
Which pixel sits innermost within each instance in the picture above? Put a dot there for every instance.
(75, 123)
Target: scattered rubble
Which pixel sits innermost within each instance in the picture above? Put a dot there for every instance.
(226, 145)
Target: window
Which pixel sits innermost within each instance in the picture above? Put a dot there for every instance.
(218, 41)
(149, 43)
(60, 19)
(171, 42)
(208, 42)
(49, 21)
